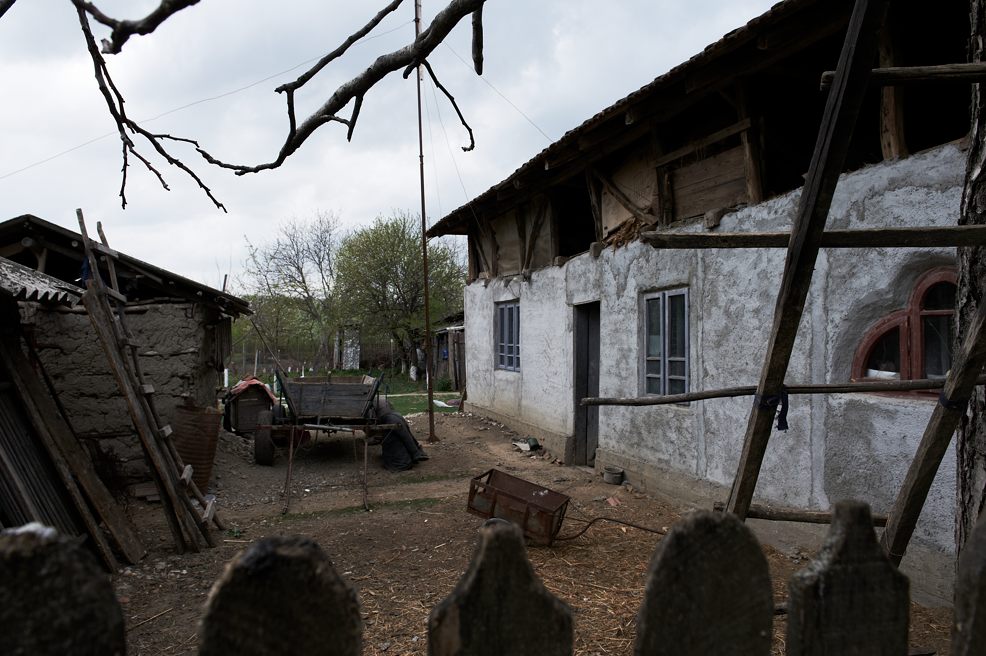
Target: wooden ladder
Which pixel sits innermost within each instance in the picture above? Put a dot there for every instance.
(173, 479)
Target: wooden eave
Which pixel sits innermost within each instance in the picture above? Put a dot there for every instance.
(786, 28)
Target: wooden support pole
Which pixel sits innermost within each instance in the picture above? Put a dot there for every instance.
(624, 200)
(928, 237)
(969, 72)
(749, 390)
(774, 514)
(892, 140)
(841, 108)
(967, 365)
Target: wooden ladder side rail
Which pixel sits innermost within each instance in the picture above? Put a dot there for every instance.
(66, 452)
(925, 237)
(917, 385)
(962, 377)
(161, 469)
(839, 118)
(212, 515)
(9, 353)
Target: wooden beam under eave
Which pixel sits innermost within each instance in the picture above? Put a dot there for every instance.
(927, 237)
(623, 199)
(892, 141)
(752, 153)
(966, 73)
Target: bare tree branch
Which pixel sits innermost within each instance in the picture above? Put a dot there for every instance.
(477, 40)
(462, 119)
(124, 29)
(5, 5)
(407, 57)
(115, 104)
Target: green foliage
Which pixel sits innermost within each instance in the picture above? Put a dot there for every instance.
(443, 384)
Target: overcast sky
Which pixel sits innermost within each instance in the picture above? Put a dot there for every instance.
(549, 65)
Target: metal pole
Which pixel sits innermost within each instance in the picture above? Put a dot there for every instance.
(424, 245)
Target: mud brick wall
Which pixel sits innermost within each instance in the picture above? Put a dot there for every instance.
(177, 354)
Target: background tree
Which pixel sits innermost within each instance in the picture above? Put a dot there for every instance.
(290, 283)
(380, 281)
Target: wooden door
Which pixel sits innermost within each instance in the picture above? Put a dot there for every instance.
(586, 382)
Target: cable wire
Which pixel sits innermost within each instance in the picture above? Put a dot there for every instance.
(659, 531)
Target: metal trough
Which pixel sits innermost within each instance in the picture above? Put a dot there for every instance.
(537, 510)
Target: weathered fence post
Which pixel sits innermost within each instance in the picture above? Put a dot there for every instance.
(708, 591)
(499, 606)
(281, 596)
(969, 629)
(850, 599)
(55, 598)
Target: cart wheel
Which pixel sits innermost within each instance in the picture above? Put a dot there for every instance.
(263, 445)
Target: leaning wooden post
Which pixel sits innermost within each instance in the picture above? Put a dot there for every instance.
(708, 591)
(55, 598)
(281, 597)
(966, 367)
(969, 628)
(499, 606)
(850, 600)
(838, 120)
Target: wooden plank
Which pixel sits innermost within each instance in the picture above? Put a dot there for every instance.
(883, 76)
(967, 365)
(186, 475)
(281, 596)
(892, 141)
(969, 627)
(708, 591)
(708, 184)
(841, 108)
(623, 199)
(68, 453)
(777, 514)
(500, 576)
(698, 144)
(850, 599)
(752, 153)
(927, 237)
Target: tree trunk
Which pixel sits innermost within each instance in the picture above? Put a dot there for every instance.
(971, 442)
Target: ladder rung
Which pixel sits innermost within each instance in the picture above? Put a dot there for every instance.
(210, 511)
(116, 295)
(147, 388)
(165, 431)
(186, 475)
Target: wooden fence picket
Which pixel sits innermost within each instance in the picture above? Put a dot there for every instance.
(499, 606)
(708, 591)
(55, 598)
(850, 599)
(281, 597)
(969, 626)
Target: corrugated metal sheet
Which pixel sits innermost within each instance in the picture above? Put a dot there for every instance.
(26, 284)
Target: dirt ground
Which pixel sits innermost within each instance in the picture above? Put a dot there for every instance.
(407, 553)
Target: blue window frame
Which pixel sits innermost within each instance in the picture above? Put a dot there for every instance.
(507, 336)
(665, 348)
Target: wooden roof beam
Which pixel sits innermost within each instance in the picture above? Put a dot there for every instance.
(928, 237)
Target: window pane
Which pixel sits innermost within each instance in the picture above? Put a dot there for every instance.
(655, 344)
(653, 367)
(653, 385)
(937, 345)
(676, 368)
(676, 326)
(884, 358)
(510, 324)
(940, 296)
(676, 386)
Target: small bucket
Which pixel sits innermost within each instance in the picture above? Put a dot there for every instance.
(612, 475)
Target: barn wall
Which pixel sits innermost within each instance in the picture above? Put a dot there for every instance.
(837, 446)
(177, 358)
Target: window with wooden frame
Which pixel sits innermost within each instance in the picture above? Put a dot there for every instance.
(664, 363)
(507, 335)
(915, 342)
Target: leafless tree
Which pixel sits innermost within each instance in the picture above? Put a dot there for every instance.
(353, 92)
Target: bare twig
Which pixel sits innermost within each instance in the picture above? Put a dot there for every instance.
(5, 5)
(152, 617)
(462, 119)
(477, 40)
(124, 29)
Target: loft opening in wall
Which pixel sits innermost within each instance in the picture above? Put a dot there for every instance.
(573, 218)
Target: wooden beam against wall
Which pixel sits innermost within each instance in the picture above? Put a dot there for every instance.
(644, 215)
(967, 365)
(777, 514)
(968, 73)
(892, 141)
(930, 237)
(708, 140)
(841, 109)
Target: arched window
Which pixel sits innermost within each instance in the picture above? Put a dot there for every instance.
(915, 342)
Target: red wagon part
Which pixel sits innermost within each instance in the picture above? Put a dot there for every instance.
(537, 510)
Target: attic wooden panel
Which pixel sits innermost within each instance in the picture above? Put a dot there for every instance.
(508, 243)
(544, 244)
(635, 178)
(712, 183)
